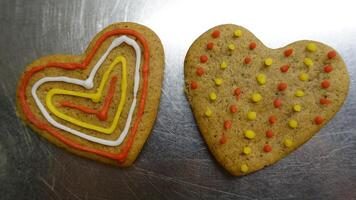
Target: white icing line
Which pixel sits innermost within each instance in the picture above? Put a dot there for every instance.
(88, 84)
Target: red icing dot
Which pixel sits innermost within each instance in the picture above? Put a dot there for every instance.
(284, 68)
(272, 119)
(200, 71)
(203, 58)
(223, 139)
(318, 120)
(247, 60)
(194, 85)
(267, 148)
(252, 45)
(237, 91)
(277, 103)
(288, 52)
(328, 68)
(331, 54)
(227, 124)
(325, 84)
(233, 108)
(324, 101)
(269, 134)
(210, 46)
(215, 34)
(282, 86)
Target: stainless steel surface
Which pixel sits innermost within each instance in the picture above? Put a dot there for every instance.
(175, 163)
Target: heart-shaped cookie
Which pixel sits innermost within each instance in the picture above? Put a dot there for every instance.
(255, 105)
(102, 104)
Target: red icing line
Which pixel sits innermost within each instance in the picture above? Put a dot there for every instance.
(324, 101)
(331, 54)
(200, 71)
(284, 68)
(247, 60)
(194, 85)
(83, 65)
(282, 86)
(328, 68)
(210, 46)
(269, 134)
(288, 52)
(252, 45)
(102, 114)
(203, 58)
(215, 34)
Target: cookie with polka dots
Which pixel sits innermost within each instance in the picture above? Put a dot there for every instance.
(255, 105)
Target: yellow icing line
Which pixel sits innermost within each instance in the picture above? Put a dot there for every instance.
(95, 97)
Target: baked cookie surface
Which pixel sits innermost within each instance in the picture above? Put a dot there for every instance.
(102, 104)
(255, 105)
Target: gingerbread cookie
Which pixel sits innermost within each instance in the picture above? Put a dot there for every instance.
(102, 104)
(255, 105)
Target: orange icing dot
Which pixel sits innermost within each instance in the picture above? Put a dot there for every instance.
(203, 58)
(324, 101)
(318, 120)
(194, 85)
(223, 139)
(282, 86)
(328, 68)
(200, 71)
(215, 34)
(247, 60)
(227, 124)
(331, 54)
(252, 45)
(233, 108)
(288, 52)
(210, 46)
(272, 119)
(284, 68)
(277, 103)
(267, 148)
(325, 84)
(269, 134)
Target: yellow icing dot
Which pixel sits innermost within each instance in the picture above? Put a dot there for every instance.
(208, 112)
(246, 150)
(231, 46)
(213, 96)
(288, 142)
(311, 47)
(268, 61)
(299, 93)
(244, 168)
(218, 81)
(293, 123)
(308, 62)
(249, 134)
(251, 115)
(297, 108)
(223, 65)
(303, 76)
(238, 33)
(261, 79)
(256, 97)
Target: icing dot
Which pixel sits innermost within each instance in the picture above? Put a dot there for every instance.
(213, 96)
(223, 65)
(288, 143)
(268, 61)
(252, 45)
(215, 34)
(293, 123)
(223, 139)
(284, 68)
(251, 115)
(288, 52)
(238, 33)
(218, 81)
(231, 47)
(328, 68)
(203, 58)
(194, 85)
(267, 148)
(324, 101)
(299, 93)
(318, 120)
(227, 124)
(256, 97)
(208, 112)
(282, 86)
(210, 46)
(277, 103)
(233, 108)
(331, 54)
(237, 91)
(308, 62)
(325, 84)
(246, 150)
(261, 79)
(311, 47)
(303, 76)
(244, 168)
(297, 108)
(269, 134)
(249, 134)
(272, 119)
(200, 71)
(247, 60)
